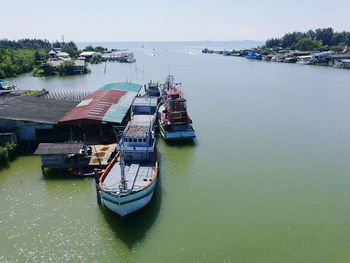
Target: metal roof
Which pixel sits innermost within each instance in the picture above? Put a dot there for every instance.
(93, 108)
(125, 86)
(62, 54)
(109, 104)
(58, 148)
(34, 109)
(117, 112)
(87, 53)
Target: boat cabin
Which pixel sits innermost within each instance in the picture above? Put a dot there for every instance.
(152, 89)
(137, 142)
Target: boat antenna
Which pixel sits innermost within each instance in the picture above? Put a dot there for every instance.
(105, 67)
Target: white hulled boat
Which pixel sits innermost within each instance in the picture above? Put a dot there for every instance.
(129, 181)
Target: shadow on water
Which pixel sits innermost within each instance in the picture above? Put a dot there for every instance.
(182, 143)
(133, 228)
(55, 174)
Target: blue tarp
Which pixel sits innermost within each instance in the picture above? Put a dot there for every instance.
(4, 82)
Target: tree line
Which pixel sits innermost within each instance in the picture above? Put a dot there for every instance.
(21, 56)
(319, 39)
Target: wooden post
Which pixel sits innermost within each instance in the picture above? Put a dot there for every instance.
(98, 196)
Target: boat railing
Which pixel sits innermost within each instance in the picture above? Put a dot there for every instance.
(109, 168)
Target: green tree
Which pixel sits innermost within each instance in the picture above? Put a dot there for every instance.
(325, 35)
(70, 48)
(100, 49)
(307, 44)
(96, 59)
(89, 48)
(66, 68)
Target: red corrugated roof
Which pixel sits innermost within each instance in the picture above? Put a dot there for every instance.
(92, 109)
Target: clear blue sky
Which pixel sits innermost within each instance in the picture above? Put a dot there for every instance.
(153, 20)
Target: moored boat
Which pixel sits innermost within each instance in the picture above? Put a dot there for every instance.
(174, 122)
(304, 60)
(344, 63)
(254, 55)
(130, 179)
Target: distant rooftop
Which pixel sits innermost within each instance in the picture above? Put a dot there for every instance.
(62, 54)
(57, 63)
(88, 53)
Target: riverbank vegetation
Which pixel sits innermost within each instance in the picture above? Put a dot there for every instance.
(96, 59)
(7, 153)
(17, 57)
(32, 55)
(313, 40)
(95, 49)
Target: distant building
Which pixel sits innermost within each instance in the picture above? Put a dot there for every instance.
(31, 117)
(93, 120)
(87, 55)
(62, 55)
(58, 55)
(79, 66)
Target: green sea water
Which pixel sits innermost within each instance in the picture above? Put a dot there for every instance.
(266, 180)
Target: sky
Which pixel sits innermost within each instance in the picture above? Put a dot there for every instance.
(163, 20)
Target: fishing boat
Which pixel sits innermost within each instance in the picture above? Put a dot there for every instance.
(7, 85)
(254, 55)
(304, 60)
(344, 63)
(130, 179)
(174, 122)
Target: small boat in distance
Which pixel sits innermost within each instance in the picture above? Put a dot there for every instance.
(254, 55)
(130, 179)
(174, 122)
(304, 60)
(7, 85)
(344, 63)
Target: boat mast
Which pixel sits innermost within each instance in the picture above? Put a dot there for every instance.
(122, 168)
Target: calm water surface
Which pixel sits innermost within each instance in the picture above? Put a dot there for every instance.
(267, 180)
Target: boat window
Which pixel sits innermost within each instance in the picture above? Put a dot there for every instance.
(144, 139)
(140, 139)
(130, 140)
(125, 139)
(135, 140)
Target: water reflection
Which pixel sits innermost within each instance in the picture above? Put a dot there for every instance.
(133, 228)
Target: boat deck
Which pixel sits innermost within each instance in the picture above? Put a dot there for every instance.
(137, 176)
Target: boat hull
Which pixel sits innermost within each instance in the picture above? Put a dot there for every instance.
(124, 205)
(177, 135)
